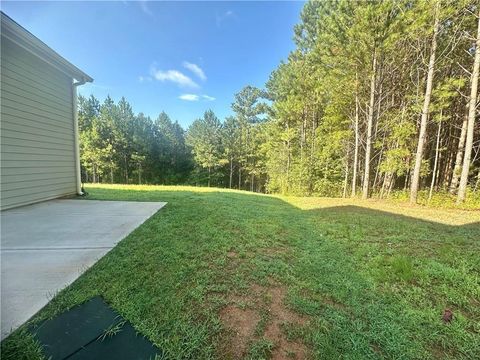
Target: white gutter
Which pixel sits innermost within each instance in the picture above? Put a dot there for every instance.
(75, 132)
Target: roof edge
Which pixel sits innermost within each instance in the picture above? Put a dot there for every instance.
(21, 36)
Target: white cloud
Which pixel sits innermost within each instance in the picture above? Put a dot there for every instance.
(195, 69)
(174, 76)
(219, 19)
(189, 97)
(194, 97)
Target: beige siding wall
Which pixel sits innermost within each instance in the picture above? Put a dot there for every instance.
(37, 135)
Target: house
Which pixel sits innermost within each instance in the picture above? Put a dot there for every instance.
(38, 120)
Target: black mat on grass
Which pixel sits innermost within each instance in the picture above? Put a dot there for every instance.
(92, 330)
(126, 344)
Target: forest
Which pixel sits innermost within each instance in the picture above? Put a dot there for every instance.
(377, 98)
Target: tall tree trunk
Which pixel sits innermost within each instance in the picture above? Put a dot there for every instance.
(345, 181)
(231, 172)
(449, 161)
(435, 164)
(239, 177)
(357, 137)
(386, 183)
(366, 176)
(391, 183)
(458, 159)
(377, 171)
(425, 112)
(209, 172)
(462, 187)
(407, 179)
(439, 167)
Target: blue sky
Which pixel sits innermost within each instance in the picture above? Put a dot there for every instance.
(180, 57)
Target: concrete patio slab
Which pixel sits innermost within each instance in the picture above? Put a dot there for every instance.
(46, 246)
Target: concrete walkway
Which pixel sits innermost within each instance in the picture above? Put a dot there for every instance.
(46, 246)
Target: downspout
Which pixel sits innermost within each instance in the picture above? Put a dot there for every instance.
(75, 134)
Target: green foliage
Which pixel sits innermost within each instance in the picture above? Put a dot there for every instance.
(325, 87)
(204, 137)
(355, 64)
(440, 199)
(118, 146)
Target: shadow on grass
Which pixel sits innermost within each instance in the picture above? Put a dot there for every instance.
(373, 283)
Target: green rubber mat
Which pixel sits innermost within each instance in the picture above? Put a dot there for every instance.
(92, 330)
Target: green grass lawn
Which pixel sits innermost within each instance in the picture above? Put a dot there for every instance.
(222, 274)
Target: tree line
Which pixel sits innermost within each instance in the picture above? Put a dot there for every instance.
(380, 96)
(118, 146)
(376, 97)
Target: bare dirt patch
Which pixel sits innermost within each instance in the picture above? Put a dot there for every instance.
(280, 316)
(242, 322)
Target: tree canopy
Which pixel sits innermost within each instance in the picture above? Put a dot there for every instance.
(376, 97)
